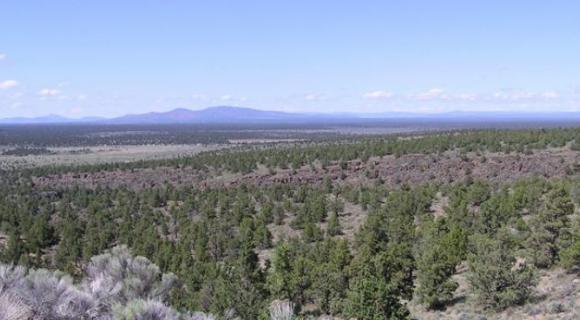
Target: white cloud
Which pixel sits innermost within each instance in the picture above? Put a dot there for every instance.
(466, 97)
(49, 92)
(500, 96)
(3, 56)
(378, 94)
(201, 97)
(8, 84)
(232, 99)
(550, 95)
(314, 97)
(511, 95)
(431, 94)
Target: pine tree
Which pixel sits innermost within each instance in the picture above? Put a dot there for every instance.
(262, 236)
(41, 234)
(495, 278)
(279, 278)
(14, 248)
(379, 284)
(330, 279)
(327, 183)
(248, 280)
(495, 212)
(439, 254)
(279, 215)
(570, 256)
(312, 232)
(301, 279)
(69, 249)
(550, 229)
(333, 228)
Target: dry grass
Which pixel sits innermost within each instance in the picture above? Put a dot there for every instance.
(103, 154)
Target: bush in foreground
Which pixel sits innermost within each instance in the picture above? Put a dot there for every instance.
(117, 286)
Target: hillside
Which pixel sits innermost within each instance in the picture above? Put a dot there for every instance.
(430, 223)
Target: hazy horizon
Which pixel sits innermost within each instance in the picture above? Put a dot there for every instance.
(108, 58)
(246, 115)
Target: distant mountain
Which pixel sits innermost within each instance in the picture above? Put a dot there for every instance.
(221, 114)
(239, 115)
(226, 114)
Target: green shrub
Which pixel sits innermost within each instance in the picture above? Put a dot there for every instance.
(495, 278)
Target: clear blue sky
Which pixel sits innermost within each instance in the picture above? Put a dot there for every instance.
(106, 58)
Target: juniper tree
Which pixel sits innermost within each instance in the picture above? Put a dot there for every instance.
(379, 283)
(333, 228)
(550, 229)
(496, 279)
(439, 253)
(570, 256)
(279, 281)
(330, 276)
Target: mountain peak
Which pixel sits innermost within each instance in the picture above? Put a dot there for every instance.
(226, 108)
(216, 114)
(179, 110)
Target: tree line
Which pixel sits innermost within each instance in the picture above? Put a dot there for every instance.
(211, 239)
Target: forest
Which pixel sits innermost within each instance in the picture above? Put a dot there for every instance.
(329, 248)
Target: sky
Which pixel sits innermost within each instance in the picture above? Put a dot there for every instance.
(109, 58)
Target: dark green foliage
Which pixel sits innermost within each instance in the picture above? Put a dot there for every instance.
(570, 255)
(14, 248)
(330, 279)
(333, 228)
(495, 212)
(477, 193)
(440, 251)
(70, 249)
(312, 232)
(550, 229)
(495, 278)
(378, 284)
(217, 239)
(279, 280)
(262, 236)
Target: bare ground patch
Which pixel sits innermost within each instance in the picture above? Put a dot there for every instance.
(103, 154)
